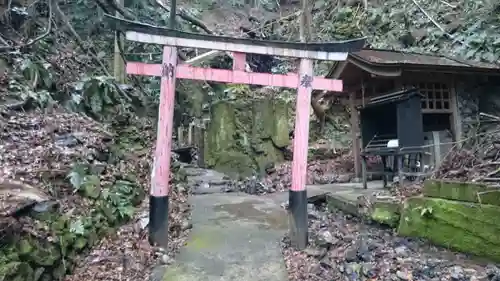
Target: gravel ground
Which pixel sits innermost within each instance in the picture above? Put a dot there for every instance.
(344, 248)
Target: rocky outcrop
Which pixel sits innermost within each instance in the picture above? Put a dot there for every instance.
(245, 138)
(475, 95)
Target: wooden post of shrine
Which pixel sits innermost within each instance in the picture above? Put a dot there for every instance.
(169, 70)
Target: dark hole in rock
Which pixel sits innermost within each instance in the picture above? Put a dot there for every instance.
(185, 154)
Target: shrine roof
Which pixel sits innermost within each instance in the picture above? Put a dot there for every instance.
(392, 63)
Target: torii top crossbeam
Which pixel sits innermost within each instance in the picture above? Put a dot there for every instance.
(146, 33)
(170, 70)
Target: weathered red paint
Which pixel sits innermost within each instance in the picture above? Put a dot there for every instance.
(301, 135)
(161, 167)
(305, 82)
(239, 61)
(235, 76)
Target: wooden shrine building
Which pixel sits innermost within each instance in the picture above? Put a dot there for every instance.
(453, 93)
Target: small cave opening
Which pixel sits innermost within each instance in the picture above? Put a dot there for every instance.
(185, 154)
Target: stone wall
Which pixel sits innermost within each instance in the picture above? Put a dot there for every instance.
(467, 91)
(244, 138)
(475, 95)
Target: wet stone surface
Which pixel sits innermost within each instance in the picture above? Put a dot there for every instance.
(206, 181)
(343, 248)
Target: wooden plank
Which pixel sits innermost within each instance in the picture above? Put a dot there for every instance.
(234, 76)
(161, 166)
(134, 28)
(354, 135)
(301, 134)
(234, 47)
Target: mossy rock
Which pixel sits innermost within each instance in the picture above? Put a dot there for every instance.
(243, 138)
(462, 191)
(263, 113)
(386, 212)
(234, 163)
(280, 136)
(467, 227)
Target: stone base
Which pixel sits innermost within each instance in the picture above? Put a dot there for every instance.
(386, 213)
(462, 191)
(466, 227)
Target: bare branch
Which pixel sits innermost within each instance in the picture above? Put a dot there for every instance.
(121, 9)
(38, 38)
(437, 24)
(3, 41)
(187, 17)
(78, 39)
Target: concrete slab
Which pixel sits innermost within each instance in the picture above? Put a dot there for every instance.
(340, 186)
(345, 197)
(234, 237)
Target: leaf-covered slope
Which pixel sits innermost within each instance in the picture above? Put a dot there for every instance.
(466, 29)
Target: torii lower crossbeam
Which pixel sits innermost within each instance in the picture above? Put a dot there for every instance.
(169, 71)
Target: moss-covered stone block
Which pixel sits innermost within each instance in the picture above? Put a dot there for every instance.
(462, 191)
(280, 136)
(268, 156)
(262, 111)
(386, 212)
(245, 137)
(467, 227)
(234, 163)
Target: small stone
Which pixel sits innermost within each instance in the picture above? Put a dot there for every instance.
(315, 252)
(402, 275)
(186, 225)
(68, 140)
(143, 222)
(368, 270)
(456, 273)
(353, 270)
(166, 259)
(351, 254)
(401, 251)
(325, 238)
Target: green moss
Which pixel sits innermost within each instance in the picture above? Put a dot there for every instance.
(269, 155)
(262, 117)
(281, 131)
(234, 163)
(25, 246)
(387, 213)
(244, 138)
(178, 273)
(468, 227)
(203, 240)
(462, 191)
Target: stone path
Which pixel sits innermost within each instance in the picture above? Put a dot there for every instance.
(235, 236)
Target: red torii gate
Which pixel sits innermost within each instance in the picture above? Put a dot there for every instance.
(169, 70)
